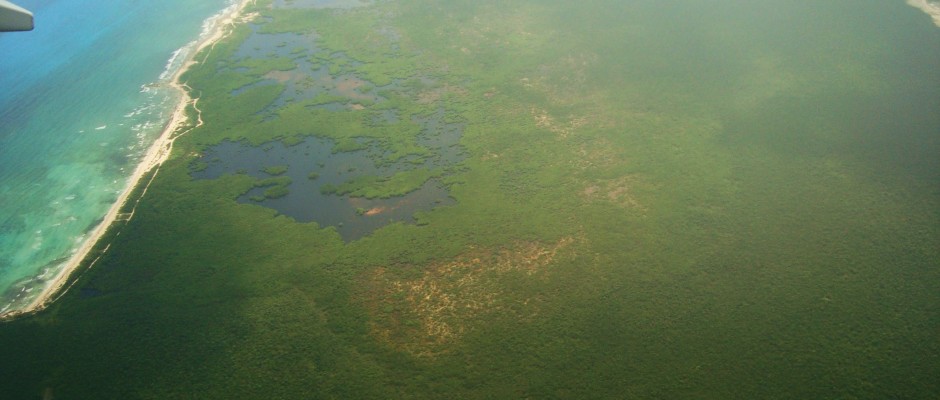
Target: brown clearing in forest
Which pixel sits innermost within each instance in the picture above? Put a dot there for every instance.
(423, 314)
(616, 191)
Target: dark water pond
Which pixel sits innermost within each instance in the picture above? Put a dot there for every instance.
(312, 164)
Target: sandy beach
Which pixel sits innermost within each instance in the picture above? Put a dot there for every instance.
(929, 7)
(158, 153)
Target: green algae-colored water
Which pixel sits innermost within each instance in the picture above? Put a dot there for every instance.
(653, 199)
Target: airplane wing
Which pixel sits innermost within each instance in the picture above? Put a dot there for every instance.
(14, 17)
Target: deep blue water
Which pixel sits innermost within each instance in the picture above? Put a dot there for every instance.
(81, 98)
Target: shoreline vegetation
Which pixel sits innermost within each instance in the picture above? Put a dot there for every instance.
(929, 7)
(155, 156)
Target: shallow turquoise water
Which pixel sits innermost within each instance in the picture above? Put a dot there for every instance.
(81, 99)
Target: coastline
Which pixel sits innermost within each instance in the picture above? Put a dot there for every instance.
(156, 154)
(932, 9)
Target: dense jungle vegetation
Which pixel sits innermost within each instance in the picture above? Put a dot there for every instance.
(658, 199)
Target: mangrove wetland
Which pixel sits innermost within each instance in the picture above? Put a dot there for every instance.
(480, 199)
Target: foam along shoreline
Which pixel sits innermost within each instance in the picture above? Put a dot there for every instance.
(215, 29)
(929, 7)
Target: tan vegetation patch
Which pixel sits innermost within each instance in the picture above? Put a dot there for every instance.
(597, 154)
(616, 191)
(564, 81)
(563, 129)
(489, 156)
(423, 314)
(435, 94)
(348, 87)
(493, 27)
(285, 76)
(567, 83)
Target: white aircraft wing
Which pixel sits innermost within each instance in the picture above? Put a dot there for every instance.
(14, 17)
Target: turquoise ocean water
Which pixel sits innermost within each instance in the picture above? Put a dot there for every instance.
(81, 98)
